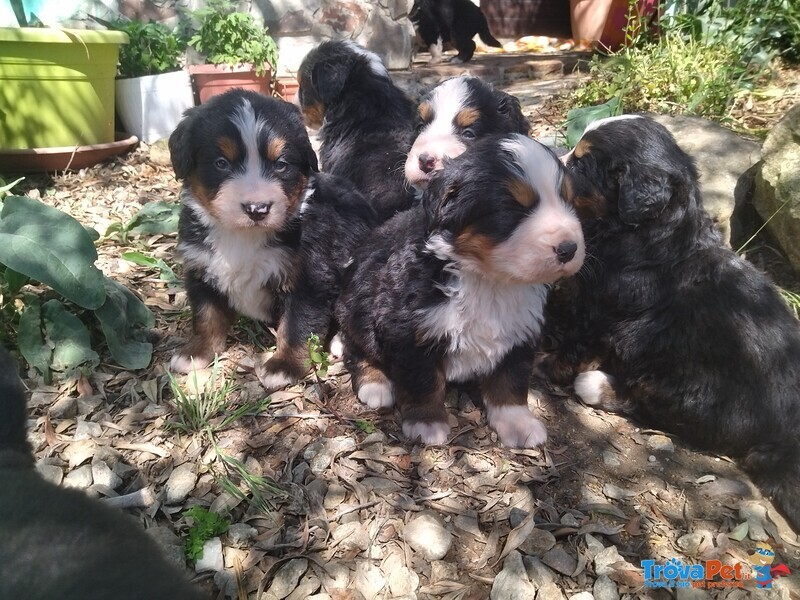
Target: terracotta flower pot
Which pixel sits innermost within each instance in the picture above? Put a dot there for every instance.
(210, 80)
(286, 88)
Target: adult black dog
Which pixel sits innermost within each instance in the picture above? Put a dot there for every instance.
(59, 543)
(365, 122)
(458, 21)
(689, 338)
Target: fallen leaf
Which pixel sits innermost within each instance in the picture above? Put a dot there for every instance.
(516, 537)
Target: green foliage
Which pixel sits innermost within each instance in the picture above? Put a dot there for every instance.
(227, 36)
(196, 409)
(205, 525)
(41, 243)
(365, 426)
(578, 119)
(318, 358)
(5, 188)
(139, 258)
(153, 48)
(258, 491)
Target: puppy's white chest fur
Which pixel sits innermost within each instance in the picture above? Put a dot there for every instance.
(481, 321)
(241, 265)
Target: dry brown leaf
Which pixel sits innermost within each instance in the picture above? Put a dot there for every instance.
(489, 548)
(516, 537)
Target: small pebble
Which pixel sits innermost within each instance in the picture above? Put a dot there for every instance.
(427, 535)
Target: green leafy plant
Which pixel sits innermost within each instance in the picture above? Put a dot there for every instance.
(227, 36)
(259, 492)
(318, 359)
(205, 525)
(152, 219)
(140, 258)
(153, 48)
(44, 244)
(365, 426)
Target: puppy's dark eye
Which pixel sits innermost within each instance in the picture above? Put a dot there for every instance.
(281, 165)
(222, 164)
(420, 126)
(468, 134)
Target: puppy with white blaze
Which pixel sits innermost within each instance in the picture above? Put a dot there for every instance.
(453, 290)
(672, 327)
(261, 233)
(452, 116)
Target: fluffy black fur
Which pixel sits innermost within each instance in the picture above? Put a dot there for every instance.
(276, 255)
(696, 340)
(413, 310)
(366, 122)
(441, 21)
(59, 543)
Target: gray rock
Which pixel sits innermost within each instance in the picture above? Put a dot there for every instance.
(570, 520)
(52, 473)
(582, 596)
(335, 495)
(352, 535)
(86, 430)
(180, 484)
(103, 475)
(368, 579)
(695, 543)
(777, 183)
(538, 573)
(559, 560)
(723, 160)
(443, 571)
(212, 559)
(239, 533)
(538, 542)
(321, 453)
(427, 535)
(593, 545)
(400, 580)
(287, 577)
(225, 581)
(691, 594)
(604, 559)
(80, 478)
(756, 516)
(611, 458)
(64, 408)
(550, 591)
(516, 517)
(660, 443)
(512, 582)
(605, 589)
(380, 485)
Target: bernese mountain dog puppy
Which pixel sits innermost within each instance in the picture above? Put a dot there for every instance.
(453, 290)
(60, 543)
(458, 21)
(261, 234)
(452, 116)
(677, 330)
(365, 122)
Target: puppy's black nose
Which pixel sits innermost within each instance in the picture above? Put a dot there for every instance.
(256, 211)
(565, 251)
(426, 163)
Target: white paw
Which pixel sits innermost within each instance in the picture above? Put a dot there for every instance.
(273, 381)
(590, 386)
(516, 426)
(337, 347)
(456, 61)
(430, 434)
(376, 395)
(181, 363)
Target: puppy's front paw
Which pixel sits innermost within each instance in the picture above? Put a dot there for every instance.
(183, 363)
(594, 388)
(337, 347)
(272, 377)
(429, 433)
(516, 426)
(376, 395)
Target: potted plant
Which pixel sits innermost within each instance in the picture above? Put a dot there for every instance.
(238, 49)
(153, 91)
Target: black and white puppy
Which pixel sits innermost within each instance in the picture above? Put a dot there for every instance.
(452, 116)
(689, 337)
(458, 21)
(365, 122)
(453, 290)
(59, 543)
(261, 234)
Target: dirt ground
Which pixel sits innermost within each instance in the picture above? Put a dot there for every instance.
(577, 516)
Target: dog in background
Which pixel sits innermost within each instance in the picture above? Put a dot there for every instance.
(455, 114)
(261, 234)
(676, 330)
(458, 21)
(365, 122)
(453, 290)
(59, 543)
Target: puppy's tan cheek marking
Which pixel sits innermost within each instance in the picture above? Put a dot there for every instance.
(582, 148)
(229, 148)
(567, 190)
(590, 207)
(204, 196)
(466, 117)
(294, 197)
(275, 148)
(474, 245)
(314, 114)
(426, 112)
(522, 192)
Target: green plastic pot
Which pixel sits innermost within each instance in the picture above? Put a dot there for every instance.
(57, 86)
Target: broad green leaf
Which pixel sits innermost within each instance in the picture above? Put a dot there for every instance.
(31, 342)
(578, 119)
(125, 321)
(14, 280)
(69, 338)
(139, 258)
(155, 217)
(50, 246)
(5, 187)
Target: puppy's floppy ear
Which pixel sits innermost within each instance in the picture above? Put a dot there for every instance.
(643, 194)
(329, 78)
(510, 110)
(180, 146)
(312, 158)
(441, 192)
